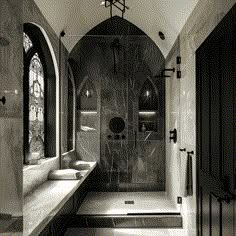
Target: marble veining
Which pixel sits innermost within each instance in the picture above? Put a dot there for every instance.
(11, 113)
(127, 160)
(37, 212)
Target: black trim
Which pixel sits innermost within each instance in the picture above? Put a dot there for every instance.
(40, 46)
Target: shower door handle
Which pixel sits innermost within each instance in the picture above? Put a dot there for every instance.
(135, 138)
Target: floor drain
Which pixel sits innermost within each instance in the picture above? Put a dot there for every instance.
(129, 202)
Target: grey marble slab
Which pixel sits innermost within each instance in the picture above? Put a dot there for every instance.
(44, 203)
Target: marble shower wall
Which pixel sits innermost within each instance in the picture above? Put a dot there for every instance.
(205, 17)
(11, 114)
(130, 160)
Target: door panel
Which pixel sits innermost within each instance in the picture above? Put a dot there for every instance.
(216, 59)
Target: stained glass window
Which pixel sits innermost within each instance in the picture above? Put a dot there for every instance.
(36, 99)
(27, 43)
(36, 106)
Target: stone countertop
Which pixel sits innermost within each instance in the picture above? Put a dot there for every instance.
(44, 203)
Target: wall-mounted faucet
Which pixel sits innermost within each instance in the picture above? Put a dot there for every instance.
(173, 135)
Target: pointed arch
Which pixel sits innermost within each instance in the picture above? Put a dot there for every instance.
(40, 95)
(149, 96)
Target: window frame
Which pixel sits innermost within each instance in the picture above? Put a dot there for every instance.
(36, 48)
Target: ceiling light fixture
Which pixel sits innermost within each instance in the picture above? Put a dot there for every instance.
(119, 4)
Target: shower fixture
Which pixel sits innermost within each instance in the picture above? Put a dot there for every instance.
(182, 149)
(173, 135)
(162, 75)
(116, 47)
(178, 62)
(119, 4)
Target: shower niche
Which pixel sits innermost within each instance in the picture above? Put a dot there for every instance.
(87, 107)
(148, 112)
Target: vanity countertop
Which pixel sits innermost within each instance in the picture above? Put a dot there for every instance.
(44, 203)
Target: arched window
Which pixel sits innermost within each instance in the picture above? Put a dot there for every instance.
(39, 101)
(34, 75)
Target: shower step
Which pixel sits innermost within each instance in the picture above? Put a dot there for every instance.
(140, 220)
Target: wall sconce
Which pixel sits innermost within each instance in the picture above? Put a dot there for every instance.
(147, 93)
(88, 93)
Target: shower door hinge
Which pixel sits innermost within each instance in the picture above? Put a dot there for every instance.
(178, 74)
(178, 60)
(179, 200)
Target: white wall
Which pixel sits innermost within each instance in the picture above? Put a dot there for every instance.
(206, 15)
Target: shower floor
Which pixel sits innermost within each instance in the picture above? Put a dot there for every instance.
(127, 210)
(113, 203)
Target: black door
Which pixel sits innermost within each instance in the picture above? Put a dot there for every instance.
(216, 76)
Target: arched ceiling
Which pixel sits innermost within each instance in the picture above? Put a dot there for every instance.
(77, 17)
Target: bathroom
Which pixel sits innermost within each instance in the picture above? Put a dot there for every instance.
(115, 98)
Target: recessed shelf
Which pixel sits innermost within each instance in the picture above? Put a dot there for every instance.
(88, 112)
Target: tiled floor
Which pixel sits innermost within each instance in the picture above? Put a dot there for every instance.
(99, 203)
(126, 232)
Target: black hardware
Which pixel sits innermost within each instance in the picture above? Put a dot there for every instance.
(179, 200)
(178, 60)
(3, 100)
(161, 35)
(62, 34)
(182, 149)
(178, 74)
(135, 138)
(189, 153)
(173, 135)
(122, 7)
(227, 198)
(218, 198)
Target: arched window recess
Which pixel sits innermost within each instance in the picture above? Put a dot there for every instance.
(39, 73)
(149, 107)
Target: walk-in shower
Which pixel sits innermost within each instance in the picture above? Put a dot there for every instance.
(120, 106)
